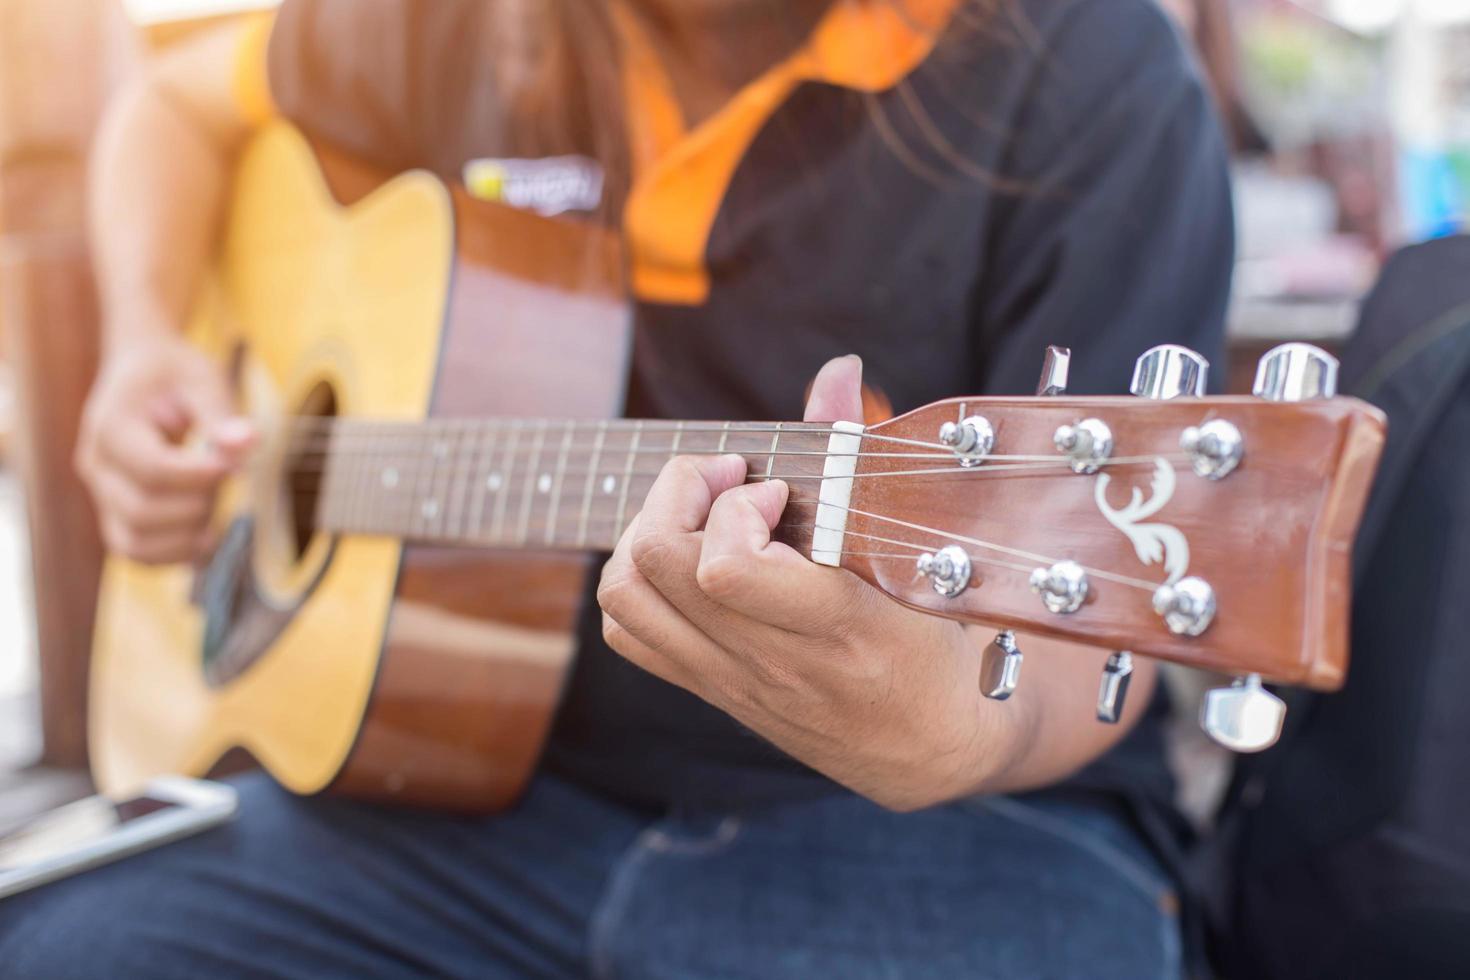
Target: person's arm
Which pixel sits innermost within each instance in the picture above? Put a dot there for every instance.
(160, 169)
(159, 432)
(1123, 241)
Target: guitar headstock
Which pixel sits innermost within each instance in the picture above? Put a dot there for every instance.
(1214, 532)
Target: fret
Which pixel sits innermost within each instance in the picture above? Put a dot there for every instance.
(597, 444)
(342, 490)
(627, 479)
(724, 435)
(432, 509)
(393, 477)
(557, 481)
(771, 457)
(499, 481)
(416, 465)
(326, 491)
(364, 504)
(427, 501)
(527, 492)
(481, 474)
(356, 494)
(459, 481)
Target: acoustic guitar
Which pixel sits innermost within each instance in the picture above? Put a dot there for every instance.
(389, 610)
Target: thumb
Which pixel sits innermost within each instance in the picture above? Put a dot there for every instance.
(231, 438)
(213, 419)
(837, 392)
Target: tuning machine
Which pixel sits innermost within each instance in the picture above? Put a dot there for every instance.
(971, 439)
(1054, 368)
(1244, 717)
(1062, 586)
(1187, 606)
(1112, 690)
(1087, 444)
(1169, 371)
(1215, 448)
(1000, 667)
(948, 570)
(1295, 372)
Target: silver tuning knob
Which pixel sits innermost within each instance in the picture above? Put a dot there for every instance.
(1170, 371)
(947, 569)
(1295, 373)
(1000, 667)
(1062, 587)
(1112, 692)
(1054, 371)
(1244, 717)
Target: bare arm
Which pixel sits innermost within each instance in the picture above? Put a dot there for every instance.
(159, 174)
(160, 171)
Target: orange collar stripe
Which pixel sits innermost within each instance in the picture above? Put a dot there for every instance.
(681, 179)
(250, 82)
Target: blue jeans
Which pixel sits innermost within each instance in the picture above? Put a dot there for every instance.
(572, 885)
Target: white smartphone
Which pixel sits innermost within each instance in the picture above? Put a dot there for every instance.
(99, 830)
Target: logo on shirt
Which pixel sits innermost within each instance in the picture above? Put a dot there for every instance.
(549, 186)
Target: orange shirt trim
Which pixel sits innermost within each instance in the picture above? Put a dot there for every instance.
(251, 82)
(680, 178)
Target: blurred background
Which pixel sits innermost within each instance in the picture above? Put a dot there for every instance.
(1350, 121)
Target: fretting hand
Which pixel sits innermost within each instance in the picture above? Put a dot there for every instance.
(877, 696)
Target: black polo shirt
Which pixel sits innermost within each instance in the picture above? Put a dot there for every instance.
(942, 191)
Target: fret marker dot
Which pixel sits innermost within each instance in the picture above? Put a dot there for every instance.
(390, 478)
(544, 483)
(492, 482)
(609, 484)
(430, 510)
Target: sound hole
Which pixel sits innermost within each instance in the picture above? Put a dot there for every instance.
(265, 566)
(305, 466)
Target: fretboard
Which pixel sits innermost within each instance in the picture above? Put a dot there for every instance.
(530, 483)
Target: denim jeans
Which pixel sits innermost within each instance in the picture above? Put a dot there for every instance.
(569, 884)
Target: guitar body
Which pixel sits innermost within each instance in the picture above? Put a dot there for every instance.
(354, 663)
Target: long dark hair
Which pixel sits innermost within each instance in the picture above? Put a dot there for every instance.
(558, 71)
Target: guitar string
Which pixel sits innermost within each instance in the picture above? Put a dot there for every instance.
(406, 513)
(458, 469)
(321, 461)
(422, 430)
(916, 550)
(946, 536)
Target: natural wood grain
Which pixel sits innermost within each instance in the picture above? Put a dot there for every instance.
(1273, 538)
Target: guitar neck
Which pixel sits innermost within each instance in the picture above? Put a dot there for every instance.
(535, 484)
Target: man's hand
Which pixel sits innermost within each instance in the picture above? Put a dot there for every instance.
(879, 697)
(158, 435)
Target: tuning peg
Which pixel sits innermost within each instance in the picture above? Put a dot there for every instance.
(1169, 371)
(1000, 667)
(971, 438)
(1187, 606)
(1113, 690)
(1062, 587)
(1295, 373)
(1088, 444)
(1244, 717)
(947, 569)
(1054, 371)
(1215, 448)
